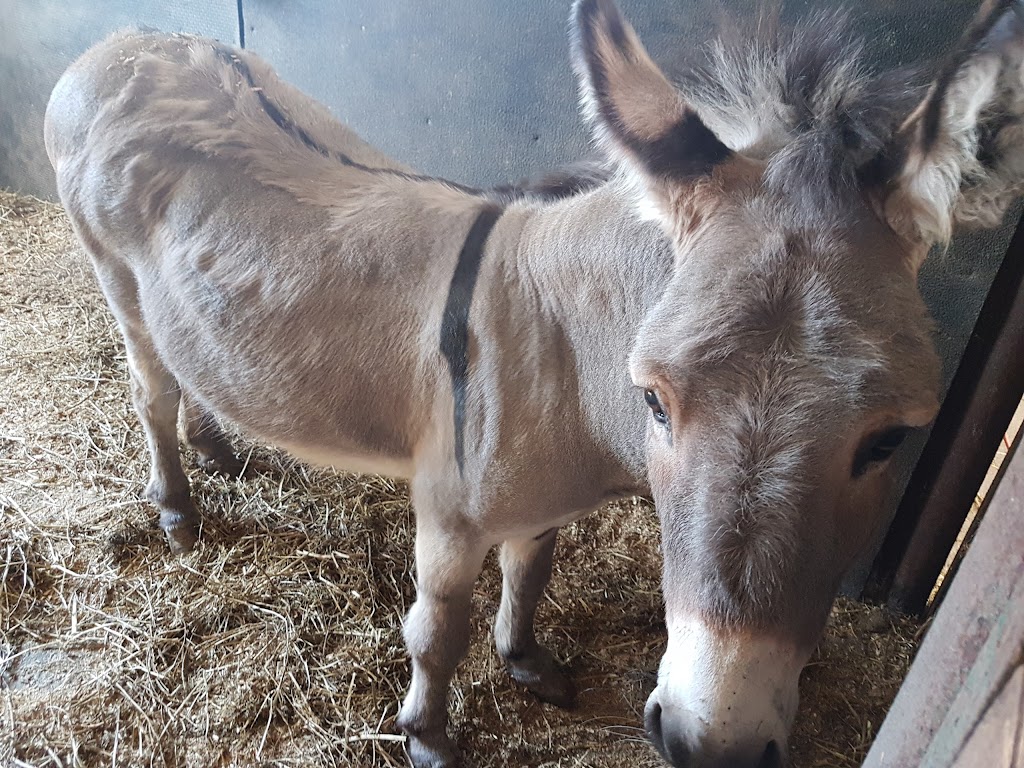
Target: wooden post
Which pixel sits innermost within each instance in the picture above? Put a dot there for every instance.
(960, 704)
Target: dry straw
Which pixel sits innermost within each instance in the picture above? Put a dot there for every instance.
(278, 641)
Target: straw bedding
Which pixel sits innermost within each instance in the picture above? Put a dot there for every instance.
(278, 641)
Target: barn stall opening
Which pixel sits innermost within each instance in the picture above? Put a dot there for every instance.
(280, 639)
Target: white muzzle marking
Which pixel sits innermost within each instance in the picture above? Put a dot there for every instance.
(738, 687)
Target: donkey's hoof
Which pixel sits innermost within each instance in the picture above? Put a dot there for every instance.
(181, 530)
(226, 464)
(555, 688)
(182, 539)
(432, 752)
(543, 678)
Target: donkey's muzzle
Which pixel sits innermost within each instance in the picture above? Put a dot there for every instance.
(677, 737)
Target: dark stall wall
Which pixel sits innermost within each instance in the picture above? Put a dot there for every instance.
(482, 90)
(477, 90)
(40, 38)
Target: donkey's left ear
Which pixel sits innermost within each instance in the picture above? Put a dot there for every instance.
(958, 160)
(639, 117)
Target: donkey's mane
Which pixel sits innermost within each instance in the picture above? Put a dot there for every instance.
(804, 98)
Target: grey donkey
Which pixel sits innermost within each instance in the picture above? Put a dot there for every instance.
(730, 322)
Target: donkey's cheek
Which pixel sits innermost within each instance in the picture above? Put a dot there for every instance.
(659, 469)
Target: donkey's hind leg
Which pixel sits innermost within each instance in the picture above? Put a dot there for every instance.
(526, 570)
(205, 435)
(155, 394)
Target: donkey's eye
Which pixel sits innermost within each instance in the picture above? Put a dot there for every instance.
(651, 398)
(879, 448)
(887, 443)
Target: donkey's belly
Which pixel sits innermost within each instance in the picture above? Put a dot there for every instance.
(301, 357)
(323, 397)
(326, 415)
(392, 466)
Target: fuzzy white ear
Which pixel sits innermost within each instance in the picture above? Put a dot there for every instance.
(639, 118)
(957, 158)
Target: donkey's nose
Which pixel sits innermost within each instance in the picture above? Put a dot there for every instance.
(675, 749)
(678, 739)
(772, 757)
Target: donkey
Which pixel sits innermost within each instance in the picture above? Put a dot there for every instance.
(730, 323)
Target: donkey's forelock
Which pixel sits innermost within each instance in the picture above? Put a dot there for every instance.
(787, 301)
(805, 99)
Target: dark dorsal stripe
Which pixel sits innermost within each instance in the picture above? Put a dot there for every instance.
(575, 179)
(455, 320)
(302, 135)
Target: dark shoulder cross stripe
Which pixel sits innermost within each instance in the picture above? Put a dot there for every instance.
(455, 320)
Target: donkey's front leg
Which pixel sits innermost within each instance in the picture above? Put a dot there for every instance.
(526, 570)
(437, 637)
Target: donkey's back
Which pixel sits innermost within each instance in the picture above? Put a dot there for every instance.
(101, 75)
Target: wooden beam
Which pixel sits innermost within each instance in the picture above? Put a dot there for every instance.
(972, 651)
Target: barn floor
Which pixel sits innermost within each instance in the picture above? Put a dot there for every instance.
(278, 641)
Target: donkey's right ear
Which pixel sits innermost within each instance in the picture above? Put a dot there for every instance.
(639, 117)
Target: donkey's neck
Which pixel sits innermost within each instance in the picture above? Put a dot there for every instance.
(598, 269)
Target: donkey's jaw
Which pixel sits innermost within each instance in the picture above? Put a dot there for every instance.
(724, 697)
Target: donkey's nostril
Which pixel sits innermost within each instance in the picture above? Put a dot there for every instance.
(653, 723)
(772, 757)
(672, 746)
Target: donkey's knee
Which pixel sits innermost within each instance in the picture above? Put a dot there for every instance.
(156, 396)
(437, 637)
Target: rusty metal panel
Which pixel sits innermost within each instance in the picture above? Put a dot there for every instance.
(973, 647)
(998, 741)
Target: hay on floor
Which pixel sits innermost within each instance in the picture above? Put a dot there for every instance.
(278, 641)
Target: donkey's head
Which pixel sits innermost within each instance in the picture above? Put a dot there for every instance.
(790, 353)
